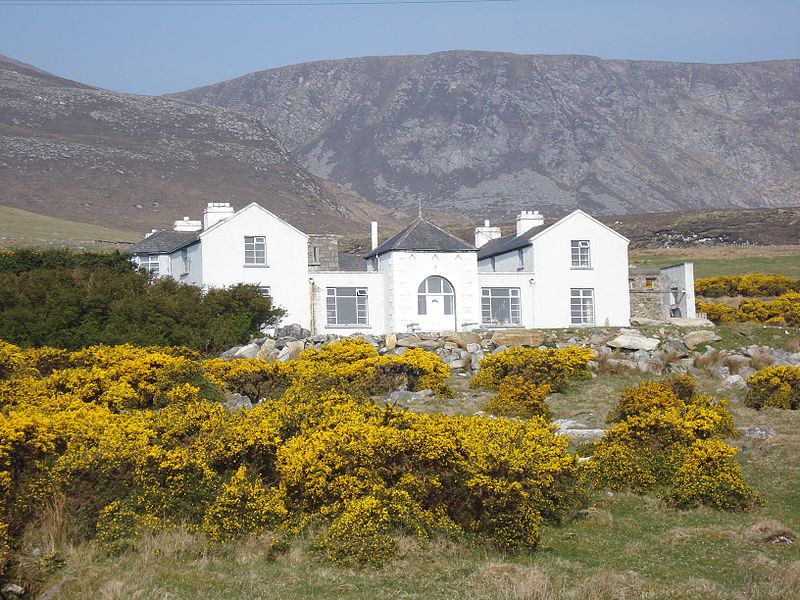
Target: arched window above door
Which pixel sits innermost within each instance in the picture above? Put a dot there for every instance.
(435, 290)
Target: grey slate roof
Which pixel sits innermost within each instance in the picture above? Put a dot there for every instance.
(422, 235)
(351, 262)
(164, 242)
(508, 243)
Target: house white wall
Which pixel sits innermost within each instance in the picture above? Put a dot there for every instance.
(286, 271)
(508, 262)
(680, 276)
(403, 271)
(194, 273)
(376, 314)
(522, 281)
(554, 277)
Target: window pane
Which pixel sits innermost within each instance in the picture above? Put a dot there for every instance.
(422, 307)
(501, 310)
(346, 311)
(446, 287)
(448, 304)
(434, 285)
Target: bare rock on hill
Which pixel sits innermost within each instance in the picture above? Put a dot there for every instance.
(693, 339)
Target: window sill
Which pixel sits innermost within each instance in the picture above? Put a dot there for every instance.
(503, 325)
(348, 327)
(581, 268)
(251, 266)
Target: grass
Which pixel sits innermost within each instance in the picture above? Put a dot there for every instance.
(624, 546)
(21, 228)
(727, 260)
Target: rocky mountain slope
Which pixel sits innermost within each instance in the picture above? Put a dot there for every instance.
(487, 134)
(134, 162)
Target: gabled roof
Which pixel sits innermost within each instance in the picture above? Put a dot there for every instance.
(423, 236)
(515, 242)
(164, 242)
(241, 211)
(511, 242)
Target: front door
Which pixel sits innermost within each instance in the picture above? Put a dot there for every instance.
(436, 305)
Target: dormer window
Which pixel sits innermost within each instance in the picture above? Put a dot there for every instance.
(581, 258)
(255, 250)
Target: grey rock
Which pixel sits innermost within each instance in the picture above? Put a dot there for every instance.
(693, 339)
(734, 381)
(248, 351)
(633, 341)
(582, 435)
(570, 424)
(413, 341)
(234, 402)
(676, 347)
(12, 590)
(757, 433)
(518, 337)
(291, 351)
(463, 338)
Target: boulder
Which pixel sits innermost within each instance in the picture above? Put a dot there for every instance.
(248, 351)
(734, 381)
(582, 435)
(645, 322)
(291, 350)
(703, 336)
(409, 396)
(518, 337)
(757, 433)
(234, 402)
(294, 330)
(12, 590)
(687, 322)
(676, 347)
(633, 340)
(413, 341)
(391, 341)
(463, 338)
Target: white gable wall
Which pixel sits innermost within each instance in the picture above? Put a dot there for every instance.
(286, 271)
(520, 280)
(194, 274)
(554, 277)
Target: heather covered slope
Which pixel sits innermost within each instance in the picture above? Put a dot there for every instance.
(487, 134)
(136, 162)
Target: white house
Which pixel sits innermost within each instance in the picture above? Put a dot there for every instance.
(573, 272)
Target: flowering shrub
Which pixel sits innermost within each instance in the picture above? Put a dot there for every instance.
(552, 366)
(519, 398)
(660, 438)
(709, 475)
(784, 309)
(135, 439)
(774, 386)
(753, 284)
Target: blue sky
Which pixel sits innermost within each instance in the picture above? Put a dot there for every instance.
(158, 49)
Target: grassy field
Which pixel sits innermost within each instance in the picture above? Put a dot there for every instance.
(623, 546)
(725, 260)
(23, 228)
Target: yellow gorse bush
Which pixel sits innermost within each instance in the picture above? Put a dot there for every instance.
(552, 366)
(753, 284)
(136, 439)
(774, 386)
(784, 309)
(518, 397)
(671, 442)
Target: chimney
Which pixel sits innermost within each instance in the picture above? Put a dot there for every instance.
(486, 234)
(528, 219)
(187, 225)
(216, 212)
(374, 231)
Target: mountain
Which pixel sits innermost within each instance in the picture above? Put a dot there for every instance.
(75, 152)
(487, 134)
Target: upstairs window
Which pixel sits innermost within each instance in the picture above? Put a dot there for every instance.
(581, 258)
(255, 250)
(500, 306)
(150, 264)
(346, 306)
(265, 290)
(520, 260)
(314, 258)
(581, 306)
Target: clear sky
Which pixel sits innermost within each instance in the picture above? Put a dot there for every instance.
(157, 49)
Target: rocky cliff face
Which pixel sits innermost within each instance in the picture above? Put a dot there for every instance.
(136, 162)
(489, 133)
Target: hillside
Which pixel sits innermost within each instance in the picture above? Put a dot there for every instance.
(487, 134)
(131, 162)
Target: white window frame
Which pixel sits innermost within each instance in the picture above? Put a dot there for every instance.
(361, 296)
(446, 293)
(185, 262)
(255, 251)
(265, 291)
(521, 259)
(582, 306)
(514, 306)
(315, 254)
(151, 264)
(580, 254)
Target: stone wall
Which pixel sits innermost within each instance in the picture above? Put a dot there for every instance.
(647, 294)
(326, 255)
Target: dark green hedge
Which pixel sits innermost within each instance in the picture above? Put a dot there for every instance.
(70, 300)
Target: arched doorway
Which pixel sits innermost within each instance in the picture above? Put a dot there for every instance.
(436, 304)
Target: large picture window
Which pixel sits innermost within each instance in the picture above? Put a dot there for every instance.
(347, 306)
(255, 250)
(581, 258)
(150, 264)
(581, 306)
(500, 306)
